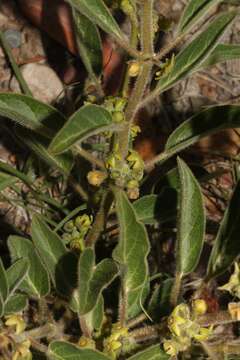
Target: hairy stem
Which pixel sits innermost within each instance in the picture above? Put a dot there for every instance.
(100, 219)
(176, 289)
(146, 8)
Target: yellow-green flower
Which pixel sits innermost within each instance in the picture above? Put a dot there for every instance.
(233, 285)
(16, 321)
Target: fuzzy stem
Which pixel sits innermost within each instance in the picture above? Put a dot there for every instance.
(99, 222)
(146, 8)
(139, 319)
(17, 72)
(218, 318)
(84, 327)
(176, 289)
(147, 27)
(133, 42)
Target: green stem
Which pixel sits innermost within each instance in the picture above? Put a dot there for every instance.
(84, 327)
(14, 66)
(176, 289)
(147, 27)
(218, 318)
(133, 42)
(99, 222)
(146, 8)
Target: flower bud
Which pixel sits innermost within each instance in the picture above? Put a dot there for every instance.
(96, 177)
(199, 307)
(134, 69)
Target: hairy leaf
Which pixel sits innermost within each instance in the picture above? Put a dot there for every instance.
(95, 318)
(156, 208)
(85, 122)
(97, 12)
(222, 53)
(39, 145)
(50, 248)
(16, 274)
(226, 245)
(4, 288)
(15, 304)
(191, 221)
(93, 279)
(37, 281)
(89, 43)
(62, 350)
(151, 353)
(6, 181)
(194, 12)
(196, 52)
(205, 123)
(132, 249)
(31, 113)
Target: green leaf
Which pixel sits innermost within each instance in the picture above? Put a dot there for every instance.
(16, 274)
(39, 145)
(191, 221)
(133, 248)
(196, 52)
(16, 303)
(6, 181)
(60, 350)
(97, 12)
(194, 12)
(49, 246)
(94, 318)
(31, 113)
(159, 304)
(37, 281)
(226, 246)
(4, 288)
(205, 123)
(152, 353)
(1, 306)
(156, 208)
(88, 120)
(89, 43)
(222, 53)
(93, 279)
(8, 169)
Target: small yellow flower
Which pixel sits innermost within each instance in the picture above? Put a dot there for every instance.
(23, 352)
(134, 69)
(169, 348)
(199, 307)
(16, 321)
(96, 177)
(233, 285)
(135, 130)
(118, 116)
(85, 342)
(203, 334)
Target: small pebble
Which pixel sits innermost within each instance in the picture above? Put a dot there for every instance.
(13, 37)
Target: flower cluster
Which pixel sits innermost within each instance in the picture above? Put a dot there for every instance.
(184, 327)
(114, 343)
(22, 348)
(126, 174)
(76, 230)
